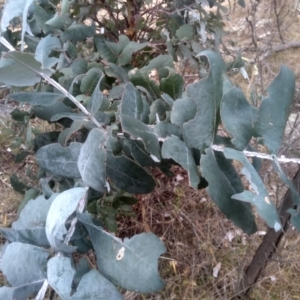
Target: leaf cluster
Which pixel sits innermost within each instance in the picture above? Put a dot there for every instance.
(118, 123)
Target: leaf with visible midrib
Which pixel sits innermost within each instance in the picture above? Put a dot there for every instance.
(21, 69)
(91, 161)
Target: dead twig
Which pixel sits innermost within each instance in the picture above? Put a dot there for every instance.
(269, 244)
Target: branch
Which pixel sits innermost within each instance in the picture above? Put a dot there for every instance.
(281, 159)
(271, 51)
(268, 246)
(54, 83)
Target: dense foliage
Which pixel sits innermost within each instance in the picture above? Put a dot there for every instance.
(85, 65)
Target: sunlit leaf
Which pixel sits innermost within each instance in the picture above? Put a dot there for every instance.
(62, 207)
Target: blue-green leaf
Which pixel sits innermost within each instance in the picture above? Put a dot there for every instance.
(115, 71)
(78, 32)
(33, 260)
(92, 285)
(207, 93)
(138, 256)
(184, 110)
(20, 69)
(60, 161)
(131, 104)
(185, 32)
(62, 207)
(138, 152)
(159, 63)
(165, 129)
(139, 78)
(168, 99)
(30, 227)
(238, 117)
(47, 112)
(43, 50)
(42, 98)
(128, 175)
(274, 110)
(224, 182)
(91, 161)
(12, 9)
(139, 130)
(287, 181)
(172, 85)
(108, 50)
(95, 101)
(176, 149)
(260, 198)
(125, 56)
(89, 82)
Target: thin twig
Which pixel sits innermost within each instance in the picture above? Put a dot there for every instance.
(55, 84)
(277, 21)
(281, 159)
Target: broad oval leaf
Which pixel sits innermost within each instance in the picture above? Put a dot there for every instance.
(47, 112)
(43, 98)
(172, 85)
(184, 110)
(165, 129)
(274, 110)
(260, 197)
(138, 256)
(185, 32)
(131, 104)
(60, 161)
(141, 131)
(139, 78)
(91, 161)
(63, 206)
(33, 260)
(176, 149)
(128, 175)
(20, 69)
(108, 50)
(12, 9)
(224, 182)
(78, 32)
(44, 49)
(139, 153)
(207, 93)
(159, 63)
(30, 227)
(125, 56)
(92, 285)
(89, 82)
(115, 71)
(238, 116)
(95, 101)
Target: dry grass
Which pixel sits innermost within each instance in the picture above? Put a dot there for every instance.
(197, 237)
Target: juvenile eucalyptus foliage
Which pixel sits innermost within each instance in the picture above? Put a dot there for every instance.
(117, 123)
